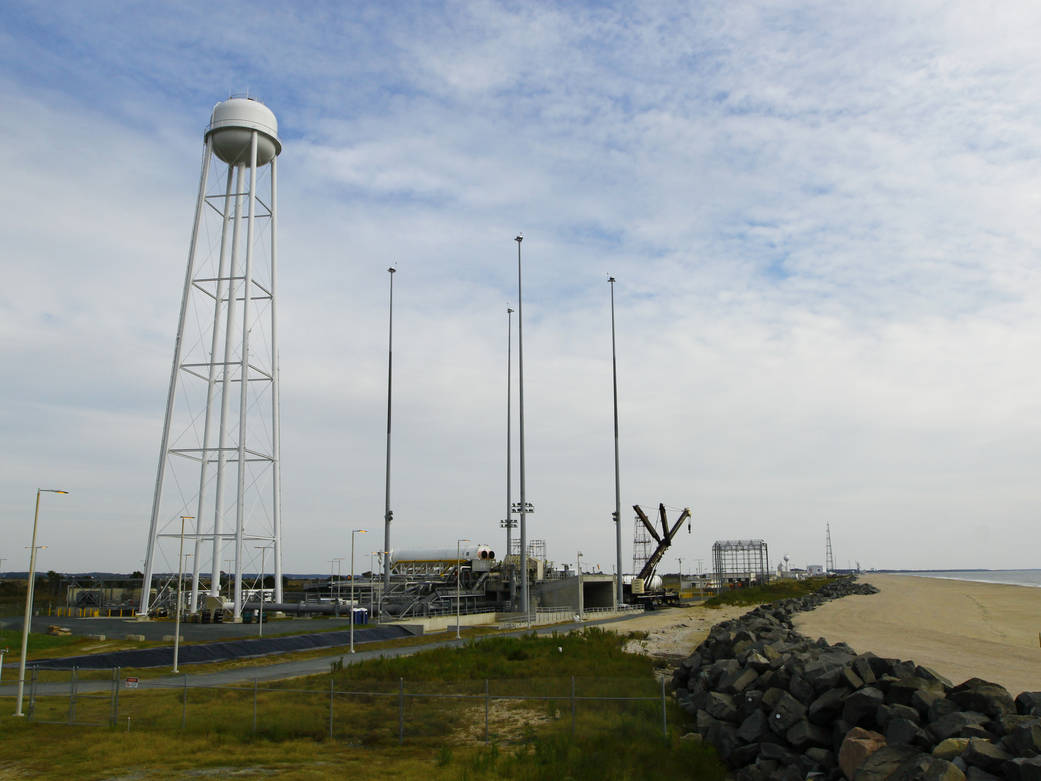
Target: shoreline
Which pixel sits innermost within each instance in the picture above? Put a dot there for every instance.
(962, 629)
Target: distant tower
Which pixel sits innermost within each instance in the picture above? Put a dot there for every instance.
(829, 558)
(641, 545)
(219, 456)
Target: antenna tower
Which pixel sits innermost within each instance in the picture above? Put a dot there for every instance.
(829, 558)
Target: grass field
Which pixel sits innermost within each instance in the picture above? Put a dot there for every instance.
(521, 688)
(771, 592)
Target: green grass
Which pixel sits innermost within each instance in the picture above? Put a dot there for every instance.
(38, 643)
(771, 592)
(535, 729)
(592, 651)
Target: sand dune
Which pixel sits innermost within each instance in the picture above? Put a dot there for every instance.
(960, 629)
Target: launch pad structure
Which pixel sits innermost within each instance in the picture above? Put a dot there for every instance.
(216, 506)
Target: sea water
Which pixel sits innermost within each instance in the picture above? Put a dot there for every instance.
(1014, 577)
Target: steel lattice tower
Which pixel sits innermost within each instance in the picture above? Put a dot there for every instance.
(219, 456)
(829, 558)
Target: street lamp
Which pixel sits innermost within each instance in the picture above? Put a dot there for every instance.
(581, 596)
(335, 577)
(29, 600)
(458, 570)
(263, 549)
(177, 614)
(353, 532)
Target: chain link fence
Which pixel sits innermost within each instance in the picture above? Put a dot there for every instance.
(361, 713)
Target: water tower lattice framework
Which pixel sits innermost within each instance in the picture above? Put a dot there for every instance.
(219, 458)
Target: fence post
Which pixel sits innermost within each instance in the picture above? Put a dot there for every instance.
(486, 703)
(332, 683)
(113, 696)
(401, 710)
(254, 706)
(32, 690)
(664, 712)
(184, 704)
(72, 695)
(572, 706)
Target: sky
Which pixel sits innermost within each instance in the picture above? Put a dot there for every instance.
(822, 218)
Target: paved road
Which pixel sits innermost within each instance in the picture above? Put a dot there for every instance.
(282, 670)
(119, 628)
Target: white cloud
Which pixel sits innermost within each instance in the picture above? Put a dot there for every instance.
(822, 219)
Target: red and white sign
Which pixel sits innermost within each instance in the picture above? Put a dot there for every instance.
(132, 683)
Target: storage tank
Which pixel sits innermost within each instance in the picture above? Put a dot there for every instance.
(442, 555)
(231, 126)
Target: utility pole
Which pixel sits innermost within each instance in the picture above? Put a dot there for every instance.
(617, 484)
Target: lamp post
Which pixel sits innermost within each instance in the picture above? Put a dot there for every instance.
(458, 570)
(29, 599)
(581, 596)
(177, 610)
(263, 550)
(617, 488)
(333, 577)
(353, 532)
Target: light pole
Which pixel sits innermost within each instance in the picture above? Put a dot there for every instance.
(581, 596)
(334, 578)
(458, 570)
(177, 610)
(520, 402)
(388, 516)
(617, 486)
(29, 600)
(372, 579)
(353, 532)
(3, 653)
(263, 550)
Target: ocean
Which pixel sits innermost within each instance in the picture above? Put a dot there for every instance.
(1015, 577)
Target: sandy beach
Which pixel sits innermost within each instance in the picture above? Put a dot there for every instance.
(960, 629)
(673, 633)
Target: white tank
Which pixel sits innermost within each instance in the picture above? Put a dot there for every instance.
(442, 555)
(231, 126)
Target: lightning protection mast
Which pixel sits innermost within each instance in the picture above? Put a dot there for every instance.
(219, 453)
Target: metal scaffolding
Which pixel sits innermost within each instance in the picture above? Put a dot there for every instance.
(740, 560)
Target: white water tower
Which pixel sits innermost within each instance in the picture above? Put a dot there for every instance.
(219, 457)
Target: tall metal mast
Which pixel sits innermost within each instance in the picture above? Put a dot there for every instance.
(388, 516)
(617, 484)
(509, 493)
(520, 399)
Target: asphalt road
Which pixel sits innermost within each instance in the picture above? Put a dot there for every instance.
(279, 670)
(119, 628)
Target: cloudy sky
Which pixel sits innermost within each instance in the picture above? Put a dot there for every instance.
(823, 219)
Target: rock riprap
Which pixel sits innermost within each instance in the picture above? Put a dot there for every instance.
(778, 705)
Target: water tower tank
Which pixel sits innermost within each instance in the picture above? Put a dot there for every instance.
(231, 125)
